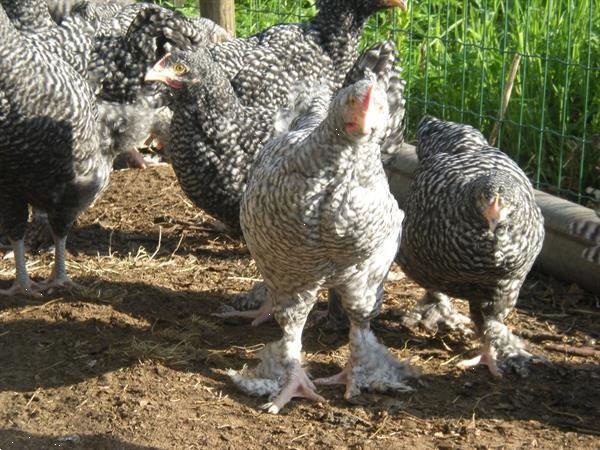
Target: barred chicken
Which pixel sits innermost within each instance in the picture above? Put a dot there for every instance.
(51, 150)
(472, 230)
(112, 52)
(318, 213)
(216, 137)
(264, 68)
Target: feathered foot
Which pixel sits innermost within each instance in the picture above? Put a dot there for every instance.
(501, 351)
(253, 304)
(371, 367)
(435, 311)
(282, 381)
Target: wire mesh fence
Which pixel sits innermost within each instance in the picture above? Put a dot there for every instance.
(525, 72)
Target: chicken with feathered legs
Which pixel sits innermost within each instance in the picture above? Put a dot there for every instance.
(318, 213)
(472, 230)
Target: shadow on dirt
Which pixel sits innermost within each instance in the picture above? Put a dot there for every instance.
(20, 440)
(176, 328)
(167, 238)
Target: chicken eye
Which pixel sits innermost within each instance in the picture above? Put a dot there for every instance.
(179, 69)
(352, 102)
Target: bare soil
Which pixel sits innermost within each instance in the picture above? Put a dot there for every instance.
(135, 360)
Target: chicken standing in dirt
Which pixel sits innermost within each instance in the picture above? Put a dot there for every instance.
(318, 213)
(51, 156)
(472, 230)
(112, 54)
(216, 137)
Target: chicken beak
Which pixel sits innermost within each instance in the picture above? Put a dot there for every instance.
(399, 3)
(159, 72)
(493, 213)
(367, 115)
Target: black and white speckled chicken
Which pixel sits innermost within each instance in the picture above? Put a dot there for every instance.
(472, 230)
(216, 137)
(265, 67)
(113, 53)
(113, 50)
(51, 152)
(318, 213)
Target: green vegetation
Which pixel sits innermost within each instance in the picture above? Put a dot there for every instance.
(456, 56)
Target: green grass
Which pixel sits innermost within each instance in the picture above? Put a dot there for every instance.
(456, 56)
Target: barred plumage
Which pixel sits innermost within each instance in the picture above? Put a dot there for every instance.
(264, 68)
(113, 51)
(61, 9)
(51, 155)
(214, 136)
(111, 48)
(472, 230)
(317, 212)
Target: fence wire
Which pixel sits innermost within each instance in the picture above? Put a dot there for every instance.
(458, 57)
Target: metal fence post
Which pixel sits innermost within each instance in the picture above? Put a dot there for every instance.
(220, 11)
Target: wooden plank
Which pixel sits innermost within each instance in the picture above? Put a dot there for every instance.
(219, 11)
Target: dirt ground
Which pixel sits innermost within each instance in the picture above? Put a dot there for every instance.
(136, 360)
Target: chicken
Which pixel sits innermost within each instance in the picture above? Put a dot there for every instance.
(113, 52)
(318, 213)
(51, 152)
(264, 68)
(216, 137)
(472, 230)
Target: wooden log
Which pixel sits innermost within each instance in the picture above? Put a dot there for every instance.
(220, 11)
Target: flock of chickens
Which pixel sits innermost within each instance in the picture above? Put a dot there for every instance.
(282, 137)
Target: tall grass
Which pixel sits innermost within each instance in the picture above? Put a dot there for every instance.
(456, 56)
